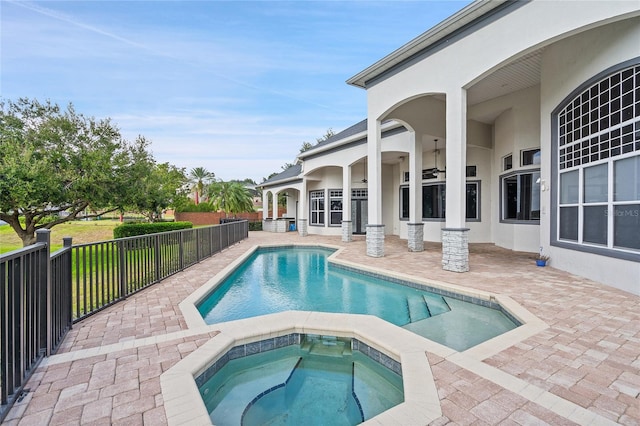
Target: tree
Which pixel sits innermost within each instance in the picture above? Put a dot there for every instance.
(56, 164)
(162, 187)
(230, 197)
(200, 177)
(306, 146)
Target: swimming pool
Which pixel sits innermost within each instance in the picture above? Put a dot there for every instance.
(301, 278)
(312, 380)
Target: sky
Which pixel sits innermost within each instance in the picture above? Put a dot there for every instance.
(235, 87)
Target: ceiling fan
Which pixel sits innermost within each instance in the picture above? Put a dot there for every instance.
(364, 176)
(435, 170)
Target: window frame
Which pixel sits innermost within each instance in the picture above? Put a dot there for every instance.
(610, 134)
(335, 198)
(506, 167)
(501, 196)
(405, 188)
(534, 151)
(319, 212)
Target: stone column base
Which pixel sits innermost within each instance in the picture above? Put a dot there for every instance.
(347, 231)
(455, 249)
(302, 227)
(375, 240)
(415, 236)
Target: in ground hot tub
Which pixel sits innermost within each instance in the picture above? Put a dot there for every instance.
(301, 379)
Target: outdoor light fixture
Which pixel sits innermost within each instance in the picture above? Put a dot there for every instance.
(435, 170)
(543, 184)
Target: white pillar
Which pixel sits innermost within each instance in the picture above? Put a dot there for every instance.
(455, 238)
(347, 225)
(265, 204)
(303, 214)
(415, 227)
(275, 205)
(375, 226)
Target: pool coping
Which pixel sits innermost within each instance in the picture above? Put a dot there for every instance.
(184, 405)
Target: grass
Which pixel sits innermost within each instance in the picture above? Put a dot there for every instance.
(81, 232)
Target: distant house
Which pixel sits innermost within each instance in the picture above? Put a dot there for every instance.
(513, 123)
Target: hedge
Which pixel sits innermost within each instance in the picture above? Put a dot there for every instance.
(255, 226)
(203, 207)
(133, 229)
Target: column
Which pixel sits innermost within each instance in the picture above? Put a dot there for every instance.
(347, 224)
(275, 205)
(415, 227)
(375, 227)
(455, 236)
(302, 205)
(265, 204)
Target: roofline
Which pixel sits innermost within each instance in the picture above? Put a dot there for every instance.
(389, 125)
(293, 179)
(456, 22)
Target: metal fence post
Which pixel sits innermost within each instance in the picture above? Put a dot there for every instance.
(46, 341)
(181, 249)
(158, 259)
(122, 268)
(198, 248)
(67, 273)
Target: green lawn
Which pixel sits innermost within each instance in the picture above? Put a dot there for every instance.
(80, 231)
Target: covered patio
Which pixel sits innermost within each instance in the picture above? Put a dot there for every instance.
(583, 369)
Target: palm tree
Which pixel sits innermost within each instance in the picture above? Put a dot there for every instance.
(230, 197)
(199, 177)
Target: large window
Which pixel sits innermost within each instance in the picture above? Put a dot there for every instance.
(316, 210)
(335, 200)
(434, 201)
(521, 197)
(597, 153)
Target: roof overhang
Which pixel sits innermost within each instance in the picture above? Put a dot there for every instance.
(434, 36)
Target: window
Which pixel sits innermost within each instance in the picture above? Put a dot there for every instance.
(473, 201)
(317, 208)
(434, 201)
(597, 148)
(404, 202)
(471, 171)
(507, 162)
(335, 200)
(530, 157)
(521, 197)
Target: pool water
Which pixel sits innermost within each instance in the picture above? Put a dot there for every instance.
(317, 383)
(276, 280)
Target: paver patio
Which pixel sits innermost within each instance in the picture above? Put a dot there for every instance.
(584, 366)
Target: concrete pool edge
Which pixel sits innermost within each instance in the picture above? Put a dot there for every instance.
(183, 404)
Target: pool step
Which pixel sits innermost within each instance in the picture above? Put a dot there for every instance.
(325, 345)
(417, 307)
(436, 303)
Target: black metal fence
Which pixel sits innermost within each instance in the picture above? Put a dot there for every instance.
(43, 294)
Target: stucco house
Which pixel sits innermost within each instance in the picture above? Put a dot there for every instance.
(511, 122)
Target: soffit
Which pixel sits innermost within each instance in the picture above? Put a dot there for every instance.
(517, 75)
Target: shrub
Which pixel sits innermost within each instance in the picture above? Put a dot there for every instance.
(192, 207)
(133, 229)
(255, 226)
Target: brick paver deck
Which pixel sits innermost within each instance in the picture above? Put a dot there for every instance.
(589, 356)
